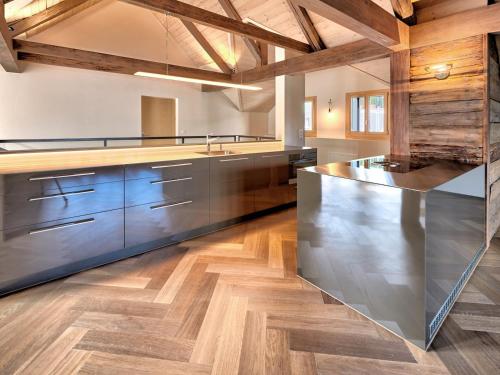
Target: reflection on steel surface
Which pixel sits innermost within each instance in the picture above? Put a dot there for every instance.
(393, 254)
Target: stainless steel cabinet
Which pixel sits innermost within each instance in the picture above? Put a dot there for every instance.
(231, 187)
(37, 253)
(271, 177)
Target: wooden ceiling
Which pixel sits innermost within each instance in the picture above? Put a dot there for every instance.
(229, 40)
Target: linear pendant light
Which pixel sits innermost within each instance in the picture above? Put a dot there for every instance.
(195, 80)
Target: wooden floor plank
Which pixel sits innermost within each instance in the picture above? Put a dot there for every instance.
(230, 302)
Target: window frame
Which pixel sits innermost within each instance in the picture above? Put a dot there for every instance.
(312, 133)
(366, 134)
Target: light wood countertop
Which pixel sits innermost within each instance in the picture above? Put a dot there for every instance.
(24, 162)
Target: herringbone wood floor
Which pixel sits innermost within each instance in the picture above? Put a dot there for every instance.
(230, 303)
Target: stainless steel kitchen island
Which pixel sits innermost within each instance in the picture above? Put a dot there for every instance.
(394, 238)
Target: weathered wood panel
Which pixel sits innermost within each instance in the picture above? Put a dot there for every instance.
(400, 102)
(494, 137)
(447, 117)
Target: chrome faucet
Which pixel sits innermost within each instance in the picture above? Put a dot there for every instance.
(210, 141)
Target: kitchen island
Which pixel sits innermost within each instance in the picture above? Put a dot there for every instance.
(66, 211)
(394, 238)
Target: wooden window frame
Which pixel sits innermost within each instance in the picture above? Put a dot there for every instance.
(312, 133)
(366, 134)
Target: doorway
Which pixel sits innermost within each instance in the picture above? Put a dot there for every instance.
(158, 119)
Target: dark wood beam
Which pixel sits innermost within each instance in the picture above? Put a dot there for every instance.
(404, 8)
(264, 53)
(362, 16)
(47, 15)
(75, 58)
(482, 20)
(400, 103)
(201, 16)
(217, 59)
(231, 12)
(356, 52)
(7, 57)
(404, 11)
(307, 26)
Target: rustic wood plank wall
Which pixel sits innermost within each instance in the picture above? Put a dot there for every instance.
(448, 117)
(494, 135)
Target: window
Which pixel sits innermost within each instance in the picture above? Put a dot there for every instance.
(310, 116)
(367, 114)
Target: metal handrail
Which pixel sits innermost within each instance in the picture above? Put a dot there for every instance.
(105, 140)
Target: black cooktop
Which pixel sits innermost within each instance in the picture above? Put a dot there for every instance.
(390, 164)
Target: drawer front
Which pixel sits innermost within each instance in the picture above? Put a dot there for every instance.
(231, 188)
(271, 181)
(35, 252)
(170, 190)
(26, 208)
(166, 170)
(151, 222)
(43, 182)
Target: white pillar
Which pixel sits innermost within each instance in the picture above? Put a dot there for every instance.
(289, 106)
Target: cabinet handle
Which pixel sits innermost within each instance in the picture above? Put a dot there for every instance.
(170, 166)
(61, 226)
(173, 180)
(271, 156)
(226, 160)
(61, 176)
(169, 205)
(61, 195)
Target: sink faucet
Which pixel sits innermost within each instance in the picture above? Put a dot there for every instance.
(210, 141)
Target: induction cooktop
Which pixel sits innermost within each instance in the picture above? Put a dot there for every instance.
(390, 164)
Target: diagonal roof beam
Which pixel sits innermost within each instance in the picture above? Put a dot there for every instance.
(231, 11)
(361, 16)
(307, 26)
(217, 59)
(7, 57)
(201, 16)
(352, 53)
(404, 10)
(75, 58)
(47, 15)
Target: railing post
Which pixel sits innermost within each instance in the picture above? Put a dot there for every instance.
(105, 143)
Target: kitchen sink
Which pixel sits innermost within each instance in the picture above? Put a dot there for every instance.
(217, 153)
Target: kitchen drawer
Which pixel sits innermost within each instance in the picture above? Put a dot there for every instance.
(37, 253)
(232, 185)
(41, 183)
(27, 208)
(153, 222)
(169, 190)
(166, 170)
(271, 181)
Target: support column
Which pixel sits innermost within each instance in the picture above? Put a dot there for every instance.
(289, 109)
(400, 103)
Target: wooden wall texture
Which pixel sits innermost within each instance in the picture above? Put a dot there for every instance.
(448, 117)
(494, 135)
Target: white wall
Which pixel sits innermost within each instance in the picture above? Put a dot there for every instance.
(47, 102)
(56, 102)
(334, 84)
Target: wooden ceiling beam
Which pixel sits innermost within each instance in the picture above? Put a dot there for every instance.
(352, 53)
(75, 58)
(47, 15)
(214, 55)
(404, 10)
(362, 16)
(204, 17)
(231, 12)
(7, 56)
(482, 20)
(307, 26)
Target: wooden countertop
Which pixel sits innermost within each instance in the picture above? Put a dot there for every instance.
(24, 162)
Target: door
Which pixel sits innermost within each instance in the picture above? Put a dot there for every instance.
(158, 119)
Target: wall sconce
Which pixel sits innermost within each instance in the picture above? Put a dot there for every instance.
(440, 71)
(330, 106)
